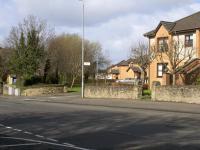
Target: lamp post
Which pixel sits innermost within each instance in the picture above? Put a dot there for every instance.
(82, 51)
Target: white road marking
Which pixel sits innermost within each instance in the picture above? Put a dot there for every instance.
(28, 132)
(38, 141)
(50, 139)
(17, 130)
(16, 145)
(68, 144)
(2, 125)
(44, 142)
(40, 136)
(9, 127)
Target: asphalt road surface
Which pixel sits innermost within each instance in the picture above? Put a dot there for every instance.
(34, 125)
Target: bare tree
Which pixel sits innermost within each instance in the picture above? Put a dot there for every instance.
(176, 54)
(65, 55)
(142, 56)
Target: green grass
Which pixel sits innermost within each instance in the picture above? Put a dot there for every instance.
(75, 89)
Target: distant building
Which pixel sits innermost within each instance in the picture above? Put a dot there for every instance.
(125, 69)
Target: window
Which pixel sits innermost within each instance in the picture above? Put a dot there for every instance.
(189, 40)
(162, 44)
(161, 68)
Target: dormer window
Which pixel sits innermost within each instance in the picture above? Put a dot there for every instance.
(189, 40)
(162, 44)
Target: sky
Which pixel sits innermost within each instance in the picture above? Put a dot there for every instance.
(116, 24)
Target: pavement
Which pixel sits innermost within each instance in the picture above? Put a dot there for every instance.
(147, 104)
(69, 122)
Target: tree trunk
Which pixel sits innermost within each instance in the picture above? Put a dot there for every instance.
(73, 80)
(174, 79)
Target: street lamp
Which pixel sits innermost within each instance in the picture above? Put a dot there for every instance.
(82, 52)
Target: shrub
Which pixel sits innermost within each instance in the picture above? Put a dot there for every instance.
(33, 80)
(146, 92)
(145, 87)
(198, 81)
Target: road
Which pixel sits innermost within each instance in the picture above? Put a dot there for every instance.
(37, 123)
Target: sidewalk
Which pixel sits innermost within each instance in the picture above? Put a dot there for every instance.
(75, 99)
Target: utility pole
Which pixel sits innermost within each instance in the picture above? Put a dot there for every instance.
(82, 51)
(97, 67)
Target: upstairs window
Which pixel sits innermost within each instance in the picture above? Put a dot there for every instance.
(162, 44)
(189, 40)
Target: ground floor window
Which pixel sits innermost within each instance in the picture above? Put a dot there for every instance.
(161, 67)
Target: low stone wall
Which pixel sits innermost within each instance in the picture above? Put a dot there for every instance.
(187, 94)
(124, 92)
(38, 91)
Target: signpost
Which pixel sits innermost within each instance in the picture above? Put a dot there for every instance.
(86, 63)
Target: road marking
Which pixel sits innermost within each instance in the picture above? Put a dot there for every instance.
(68, 144)
(50, 139)
(9, 127)
(44, 142)
(28, 132)
(40, 136)
(38, 141)
(2, 125)
(16, 145)
(17, 130)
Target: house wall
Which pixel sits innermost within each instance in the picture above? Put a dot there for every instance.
(122, 72)
(162, 32)
(198, 42)
(112, 76)
(181, 39)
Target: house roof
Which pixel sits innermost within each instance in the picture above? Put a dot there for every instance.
(135, 69)
(187, 23)
(126, 62)
(189, 66)
(122, 63)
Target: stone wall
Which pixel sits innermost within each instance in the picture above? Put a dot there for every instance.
(124, 92)
(187, 94)
(38, 91)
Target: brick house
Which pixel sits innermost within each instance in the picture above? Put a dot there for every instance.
(125, 69)
(185, 30)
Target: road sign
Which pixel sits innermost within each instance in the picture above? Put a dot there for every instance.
(86, 63)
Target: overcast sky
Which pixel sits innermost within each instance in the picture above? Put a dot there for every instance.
(116, 24)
